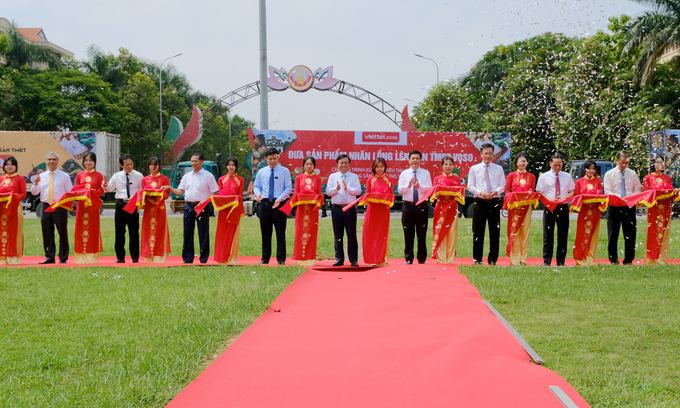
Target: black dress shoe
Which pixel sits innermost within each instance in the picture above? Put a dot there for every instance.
(409, 262)
(135, 261)
(546, 264)
(282, 264)
(560, 264)
(47, 261)
(355, 264)
(338, 263)
(62, 262)
(264, 263)
(490, 263)
(421, 263)
(120, 260)
(187, 262)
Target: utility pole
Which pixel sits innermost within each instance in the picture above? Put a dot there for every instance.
(264, 108)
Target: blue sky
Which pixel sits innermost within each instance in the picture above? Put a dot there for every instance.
(369, 43)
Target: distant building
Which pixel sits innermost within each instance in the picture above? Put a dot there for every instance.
(36, 36)
(670, 52)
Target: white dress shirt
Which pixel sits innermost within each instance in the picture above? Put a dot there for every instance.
(118, 181)
(61, 184)
(424, 180)
(612, 182)
(198, 186)
(282, 184)
(547, 181)
(342, 197)
(477, 179)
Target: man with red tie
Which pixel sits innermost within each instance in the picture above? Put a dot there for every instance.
(51, 185)
(486, 180)
(555, 185)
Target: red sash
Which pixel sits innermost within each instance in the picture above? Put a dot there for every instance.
(387, 199)
(445, 212)
(306, 224)
(518, 204)
(588, 220)
(88, 239)
(581, 199)
(232, 202)
(659, 208)
(9, 230)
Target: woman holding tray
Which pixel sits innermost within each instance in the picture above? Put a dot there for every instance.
(88, 237)
(589, 214)
(230, 206)
(519, 217)
(659, 214)
(12, 191)
(445, 222)
(155, 233)
(307, 198)
(376, 228)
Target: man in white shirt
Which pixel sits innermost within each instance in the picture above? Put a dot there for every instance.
(272, 187)
(197, 186)
(126, 183)
(343, 187)
(486, 180)
(414, 184)
(51, 185)
(621, 181)
(555, 185)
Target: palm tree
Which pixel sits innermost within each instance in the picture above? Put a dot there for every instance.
(652, 32)
(21, 52)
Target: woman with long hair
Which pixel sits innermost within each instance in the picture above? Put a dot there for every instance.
(589, 214)
(659, 213)
(445, 222)
(12, 191)
(307, 198)
(229, 218)
(155, 232)
(88, 236)
(375, 234)
(519, 217)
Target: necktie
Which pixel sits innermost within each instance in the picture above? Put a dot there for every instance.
(50, 189)
(415, 190)
(487, 178)
(623, 184)
(271, 184)
(127, 184)
(558, 190)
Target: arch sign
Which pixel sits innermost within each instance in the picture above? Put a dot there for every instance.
(301, 79)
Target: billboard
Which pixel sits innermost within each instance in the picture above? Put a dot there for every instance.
(30, 148)
(363, 147)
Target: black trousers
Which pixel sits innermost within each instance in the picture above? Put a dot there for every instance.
(58, 218)
(272, 218)
(551, 219)
(486, 210)
(414, 220)
(345, 222)
(621, 218)
(122, 220)
(191, 219)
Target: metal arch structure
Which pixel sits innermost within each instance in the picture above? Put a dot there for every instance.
(252, 90)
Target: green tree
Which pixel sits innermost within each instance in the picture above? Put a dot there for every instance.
(447, 108)
(486, 78)
(651, 33)
(141, 137)
(17, 51)
(8, 100)
(66, 100)
(116, 70)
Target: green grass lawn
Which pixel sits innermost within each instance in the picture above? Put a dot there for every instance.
(134, 337)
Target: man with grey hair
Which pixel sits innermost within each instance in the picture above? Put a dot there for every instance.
(51, 185)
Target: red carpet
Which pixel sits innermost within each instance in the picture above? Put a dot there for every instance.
(252, 260)
(395, 336)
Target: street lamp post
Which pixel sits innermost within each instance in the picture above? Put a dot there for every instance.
(160, 95)
(435, 64)
(229, 117)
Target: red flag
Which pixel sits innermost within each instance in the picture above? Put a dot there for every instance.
(406, 124)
